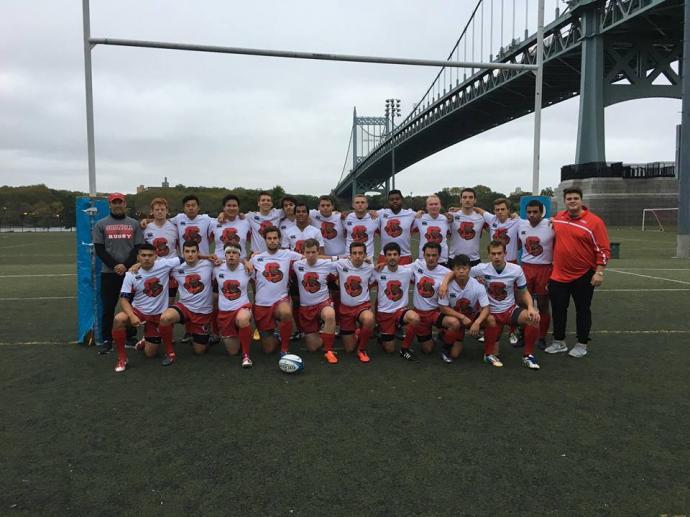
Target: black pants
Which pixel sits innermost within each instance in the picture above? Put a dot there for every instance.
(111, 283)
(560, 292)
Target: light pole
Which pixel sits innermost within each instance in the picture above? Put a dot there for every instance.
(392, 111)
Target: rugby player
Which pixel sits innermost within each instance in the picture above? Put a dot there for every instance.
(259, 221)
(233, 229)
(360, 226)
(193, 226)
(395, 225)
(295, 235)
(162, 234)
(433, 226)
(466, 227)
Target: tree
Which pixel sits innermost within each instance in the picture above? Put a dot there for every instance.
(548, 192)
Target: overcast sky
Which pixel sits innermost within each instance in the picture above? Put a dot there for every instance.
(221, 120)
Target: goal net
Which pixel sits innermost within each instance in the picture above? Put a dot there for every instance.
(659, 219)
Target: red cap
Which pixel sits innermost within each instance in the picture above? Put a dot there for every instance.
(116, 195)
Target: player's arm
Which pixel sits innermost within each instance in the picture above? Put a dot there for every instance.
(443, 288)
(477, 323)
(126, 306)
(526, 298)
(602, 250)
(449, 311)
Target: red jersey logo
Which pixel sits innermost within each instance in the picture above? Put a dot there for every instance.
(359, 234)
(497, 290)
(502, 235)
(466, 230)
(328, 230)
(393, 228)
(161, 245)
(263, 226)
(393, 290)
(272, 272)
(231, 289)
(193, 283)
(533, 246)
(434, 234)
(463, 306)
(229, 236)
(310, 282)
(425, 287)
(299, 246)
(152, 287)
(191, 233)
(353, 286)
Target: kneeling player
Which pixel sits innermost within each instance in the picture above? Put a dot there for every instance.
(392, 293)
(465, 299)
(354, 277)
(315, 304)
(194, 308)
(143, 298)
(501, 279)
(234, 308)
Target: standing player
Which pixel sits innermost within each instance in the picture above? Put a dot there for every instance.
(501, 279)
(428, 276)
(195, 306)
(395, 225)
(192, 226)
(271, 301)
(266, 217)
(503, 227)
(392, 297)
(536, 236)
(295, 235)
(465, 298)
(359, 225)
(234, 307)
(312, 275)
(330, 224)
(143, 299)
(466, 228)
(162, 234)
(433, 227)
(232, 230)
(354, 278)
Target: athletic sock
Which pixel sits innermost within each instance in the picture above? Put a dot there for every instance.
(166, 332)
(409, 336)
(544, 322)
(285, 335)
(490, 338)
(327, 341)
(119, 337)
(364, 335)
(531, 334)
(450, 337)
(245, 338)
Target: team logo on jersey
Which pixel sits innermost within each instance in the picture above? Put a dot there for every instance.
(533, 246)
(353, 286)
(497, 290)
(502, 235)
(359, 234)
(152, 287)
(272, 272)
(464, 306)
(425, 287)
(192, 233)
(231, 289)
(466, 230)
(328, 230)
(161, 245)
(193, 283)
(310, 282)
(393, 228)
(394, 290)
(263, 226)
(433, 234)
(229, 236)
(299, 246)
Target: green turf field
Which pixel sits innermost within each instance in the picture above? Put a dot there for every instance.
(605, 435)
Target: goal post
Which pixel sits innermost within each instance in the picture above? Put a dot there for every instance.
(654, 219)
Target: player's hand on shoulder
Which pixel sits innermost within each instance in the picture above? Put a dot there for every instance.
(143, 223)
(134, 269)
(419, 214)
(120, 269)
(373, 213)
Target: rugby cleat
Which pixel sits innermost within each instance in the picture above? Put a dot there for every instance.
(446, 358)
(528, 361)
(105, 348)
(556, 347)
(168, 359)
(331, 357)
(579, 350)
(363, 356)
(246, 362)
(493, 361)
(121, 366)
(407, 354)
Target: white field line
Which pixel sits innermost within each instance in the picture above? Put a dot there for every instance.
(48, 275)
(648, 276)
(21, 245)
(39, 298)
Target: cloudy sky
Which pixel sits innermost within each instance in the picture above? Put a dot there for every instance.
(221, 120)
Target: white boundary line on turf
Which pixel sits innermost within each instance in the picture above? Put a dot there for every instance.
(27, 276)
(648, 276)
(38, 298)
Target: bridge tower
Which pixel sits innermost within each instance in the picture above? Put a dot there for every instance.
(367, 134)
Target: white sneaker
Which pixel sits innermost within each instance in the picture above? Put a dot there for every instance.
(556, 347)
(579, 350)
(529, 361)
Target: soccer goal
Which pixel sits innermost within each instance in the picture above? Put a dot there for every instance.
(654, 219)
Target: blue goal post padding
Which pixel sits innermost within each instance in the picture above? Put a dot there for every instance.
(87, 293)
(546, 201)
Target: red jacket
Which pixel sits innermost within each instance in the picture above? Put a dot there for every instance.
(580, 245)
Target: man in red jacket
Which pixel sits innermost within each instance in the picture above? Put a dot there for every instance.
(580, 254)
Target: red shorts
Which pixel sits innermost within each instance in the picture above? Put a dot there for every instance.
(310, 316)
(537, 276)
(151, 323)
(172, 287)
(350, 315)
(404, 260)
(264, 315)
(389, 322)
(226, 321)
(194, 322)
(427, 320)
(508, 317)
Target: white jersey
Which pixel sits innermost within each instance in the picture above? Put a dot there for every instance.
(396, 228)
(466, 232)
(163, 238)
(468, 300)
(313, 281)
(235, 232)
(272, 272)
(361, 230)
(537, 242)
(500, 287)
(150, 286)
(332, 231)
(232, 287)
(433, 230)
(196, 230)
(196, 290)
(506, 231)
(426, 282)
(354, 282)
(393, 288)
(293, 237)
(258, 223)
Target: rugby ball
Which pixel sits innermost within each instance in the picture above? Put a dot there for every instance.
(291, 363)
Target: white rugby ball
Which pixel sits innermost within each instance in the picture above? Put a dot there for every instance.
(291, 363)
